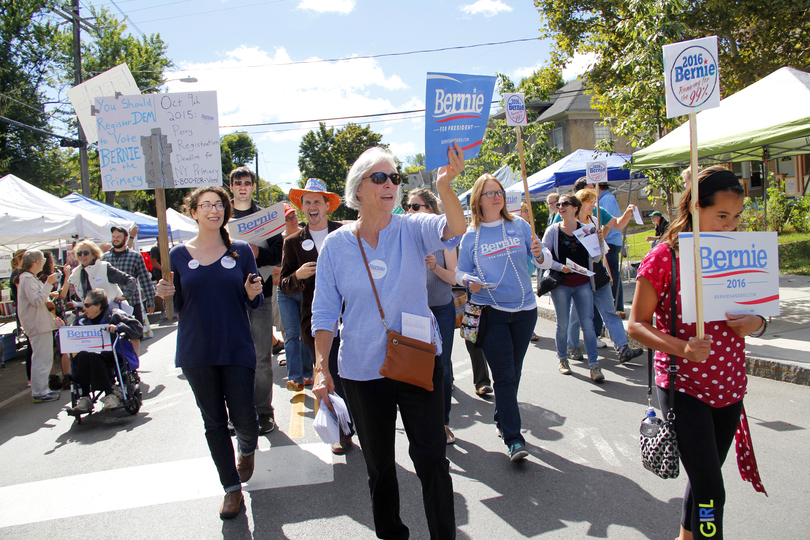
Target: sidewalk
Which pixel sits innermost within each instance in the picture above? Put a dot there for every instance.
(782, 354)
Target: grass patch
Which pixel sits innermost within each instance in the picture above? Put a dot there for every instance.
(794, 257)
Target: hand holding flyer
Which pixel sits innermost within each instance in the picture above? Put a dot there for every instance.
(588, 238)
(577, 268)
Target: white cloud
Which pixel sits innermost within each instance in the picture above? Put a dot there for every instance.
(489, 8)
(275, 92)
(322, 6)
(523, 72)
(403, 150)
(578, 65)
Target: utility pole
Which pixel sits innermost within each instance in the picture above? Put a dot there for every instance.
(77, 69)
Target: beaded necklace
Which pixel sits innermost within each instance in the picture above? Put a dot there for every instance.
(508, 256)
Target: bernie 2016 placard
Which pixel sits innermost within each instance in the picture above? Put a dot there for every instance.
(93, 338)
(740, 274)
(188, 125)
(456, 110)
(691, 76)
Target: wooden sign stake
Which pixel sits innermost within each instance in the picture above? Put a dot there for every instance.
(525, 180)
(693, 151)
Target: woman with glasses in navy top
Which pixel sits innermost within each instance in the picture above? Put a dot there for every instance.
(496, 251)
(214, 282)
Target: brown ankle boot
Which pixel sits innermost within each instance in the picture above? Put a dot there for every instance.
(231, 505)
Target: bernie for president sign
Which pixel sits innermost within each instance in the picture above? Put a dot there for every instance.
(456, 110)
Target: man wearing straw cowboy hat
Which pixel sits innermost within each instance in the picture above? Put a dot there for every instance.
(298, 267)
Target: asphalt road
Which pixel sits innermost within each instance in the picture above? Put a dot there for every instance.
(150, 475)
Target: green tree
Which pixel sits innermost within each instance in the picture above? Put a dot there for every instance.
(500, 141)
(29, 38)
(328, 154)
(414, 163)
(626, 37)
(242, 148)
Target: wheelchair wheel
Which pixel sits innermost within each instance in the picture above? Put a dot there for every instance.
(133, 405)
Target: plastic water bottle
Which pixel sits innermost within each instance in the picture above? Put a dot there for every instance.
(651, 423)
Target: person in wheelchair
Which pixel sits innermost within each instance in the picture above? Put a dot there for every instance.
(92, 370)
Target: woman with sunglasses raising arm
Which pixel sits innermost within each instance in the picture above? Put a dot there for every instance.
(395, 247)
(493, 263)
(441, 276)
(214, 281)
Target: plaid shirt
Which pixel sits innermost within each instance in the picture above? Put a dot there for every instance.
(130, 262)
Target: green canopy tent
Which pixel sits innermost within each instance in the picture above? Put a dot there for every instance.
(767, 120)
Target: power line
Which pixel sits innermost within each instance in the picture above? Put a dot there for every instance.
(126, 18)
(365, 57)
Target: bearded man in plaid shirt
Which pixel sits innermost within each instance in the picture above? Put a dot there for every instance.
(130, 262)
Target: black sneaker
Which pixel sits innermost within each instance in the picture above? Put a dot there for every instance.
(266, 424)
(628, 353)
(517, 452)
(54, 383)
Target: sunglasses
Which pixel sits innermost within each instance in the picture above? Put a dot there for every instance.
(493, 194)
(84, 253)
(415, 206)
(381, 177)
(565, 204)
(246, 183)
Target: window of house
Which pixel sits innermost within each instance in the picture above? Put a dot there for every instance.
(557, 138)
(601, 132)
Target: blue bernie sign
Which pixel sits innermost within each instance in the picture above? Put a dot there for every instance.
(456, 110)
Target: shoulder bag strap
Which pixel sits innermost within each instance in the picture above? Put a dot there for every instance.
(371, 279)
(673, 360)
(673, 317)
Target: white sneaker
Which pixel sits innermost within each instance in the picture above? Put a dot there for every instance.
(600, 344)
(110, 402)
(83, 405)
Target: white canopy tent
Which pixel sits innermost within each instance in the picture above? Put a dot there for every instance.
(33, 218)
(183, 228)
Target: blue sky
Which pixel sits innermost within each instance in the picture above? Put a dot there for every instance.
(236, 48)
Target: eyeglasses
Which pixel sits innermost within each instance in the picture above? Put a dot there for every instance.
(84, 253)
(493, 194)
(246, 183)
(291, 217)
(415, 206)
(206, 206)
(565, 204)
(381, 177)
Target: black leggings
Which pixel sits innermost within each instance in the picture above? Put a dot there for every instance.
(705, 434)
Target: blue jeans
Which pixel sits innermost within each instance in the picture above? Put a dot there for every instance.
(299, 361)
(582, 298)
(261, 324)
(446, 317)
(215, 387)
(505, 344)
(613, 263)
(603, 302)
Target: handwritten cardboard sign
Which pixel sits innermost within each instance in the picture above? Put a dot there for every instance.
(93, 338)
(456, 110)
(691, 76)
(82, 97)
(188, 120)
(740, 274)
(258, 226)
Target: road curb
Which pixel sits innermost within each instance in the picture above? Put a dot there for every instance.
(757, 367)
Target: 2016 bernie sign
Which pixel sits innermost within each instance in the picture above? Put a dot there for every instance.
(740, 274)
(692, 76)
(456, 110)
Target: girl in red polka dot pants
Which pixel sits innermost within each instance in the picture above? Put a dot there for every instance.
(711, 379)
